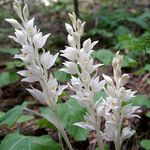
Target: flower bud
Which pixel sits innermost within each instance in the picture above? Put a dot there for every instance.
(17, 8)
(69, 28)
(79, 24)
(26, 12)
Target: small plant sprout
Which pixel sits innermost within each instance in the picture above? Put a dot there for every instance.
(37, 65)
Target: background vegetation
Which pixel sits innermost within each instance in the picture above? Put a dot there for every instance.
(118, 25)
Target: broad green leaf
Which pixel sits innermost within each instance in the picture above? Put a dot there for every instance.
(145, 144)
(12, 115)
(14, 64)
(44, 123)
(129, 62)
(141, 100)
(104, 55)
(16, 141)
(61, 76)
(70, 112)
(11, 51)
(7, 78)
(24, 118)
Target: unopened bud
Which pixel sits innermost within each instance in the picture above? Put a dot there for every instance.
(26, 12)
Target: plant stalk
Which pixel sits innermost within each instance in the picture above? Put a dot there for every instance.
(62, 130)
(97, 128)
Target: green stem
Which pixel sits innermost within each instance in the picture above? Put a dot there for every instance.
(62, 130)
(60, 140)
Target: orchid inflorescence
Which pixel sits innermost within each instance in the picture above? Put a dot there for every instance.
(85, 81)
(37, 65)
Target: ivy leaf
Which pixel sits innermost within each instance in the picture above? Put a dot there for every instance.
(70, 112)
(104, 55)
(141, 100)
(12, 115)
(145, 144)
(16, 141)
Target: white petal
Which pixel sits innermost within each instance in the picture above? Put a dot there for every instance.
(37, 95)
(69, 28)
(71, 41)
(127, 133)
(14, 23)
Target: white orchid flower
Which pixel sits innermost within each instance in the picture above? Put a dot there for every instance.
(48, 60)
(39, 40)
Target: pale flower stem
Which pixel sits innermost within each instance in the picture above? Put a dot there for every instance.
(118, 140)
(62, 130)
(117, 146)
(54, 109)
(97, 129)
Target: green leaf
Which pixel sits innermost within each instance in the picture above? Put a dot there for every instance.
(104, 55)
(44, 123)
(12, 115)
(141, 100)
(129, 62)
(24, 118)
(147, 67)
(7, 78)
(11, 51)
(1, 114)
(145, 144)
(102, 32)
(121, 30)
(148, 114)
(70, 112)
(61, 76)
(16, 141)
(14, 64)
(99, 95)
